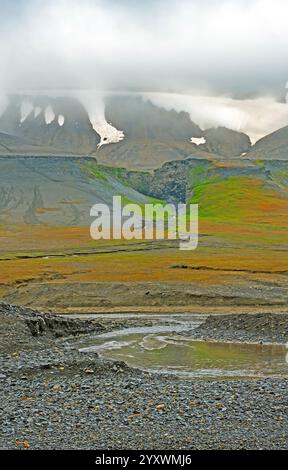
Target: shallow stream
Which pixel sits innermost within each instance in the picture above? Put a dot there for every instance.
(169, 348)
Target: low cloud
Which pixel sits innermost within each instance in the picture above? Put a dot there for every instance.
(256, 117)
(238, 45)
(234, 53)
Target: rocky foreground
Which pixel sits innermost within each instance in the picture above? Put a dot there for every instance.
(53, 397)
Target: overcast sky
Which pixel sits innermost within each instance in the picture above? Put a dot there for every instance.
(160, 45)
(227, 58)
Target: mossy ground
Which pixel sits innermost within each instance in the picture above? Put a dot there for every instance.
(243, 237)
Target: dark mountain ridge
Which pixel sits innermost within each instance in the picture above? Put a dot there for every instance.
(153, 135)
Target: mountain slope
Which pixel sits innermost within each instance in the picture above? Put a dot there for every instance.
(59, 124)
(176, 181)
(143, 120)
(272, 146)
(43, 125)
(14, 145)
(226, 142)
(154, 135)
(147, 154)
(56, 191)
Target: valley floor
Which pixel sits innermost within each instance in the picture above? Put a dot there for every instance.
(62, 270)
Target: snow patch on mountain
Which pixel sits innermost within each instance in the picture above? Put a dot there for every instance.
(25, 109)
(61, 120)
(93, 102)
(198, 140)
(108, 134)
(49, 114)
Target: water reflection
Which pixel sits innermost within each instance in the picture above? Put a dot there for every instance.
(171, 352)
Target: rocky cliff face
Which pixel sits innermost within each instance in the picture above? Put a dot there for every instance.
(176, 181)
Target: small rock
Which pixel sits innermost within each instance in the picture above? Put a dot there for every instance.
(160, 407)
(88, 371)
(56, 388)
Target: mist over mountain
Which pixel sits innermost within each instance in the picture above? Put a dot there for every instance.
(201, 66)
(272, 146)
(57, 123)
(154, 135)
(133, 133)
(143, 120)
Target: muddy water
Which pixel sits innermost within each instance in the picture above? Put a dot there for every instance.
(167, 349)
